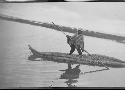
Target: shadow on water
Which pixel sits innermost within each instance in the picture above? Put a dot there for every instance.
(71, 75)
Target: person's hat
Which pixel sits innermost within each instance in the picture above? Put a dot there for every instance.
(79, 31)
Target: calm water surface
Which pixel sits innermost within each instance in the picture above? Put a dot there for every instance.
(17, 71)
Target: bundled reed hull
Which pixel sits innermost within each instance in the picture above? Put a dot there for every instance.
(93, 60)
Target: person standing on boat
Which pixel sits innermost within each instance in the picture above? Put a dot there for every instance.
(76, 42)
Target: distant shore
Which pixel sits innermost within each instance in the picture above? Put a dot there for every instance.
(116, 38)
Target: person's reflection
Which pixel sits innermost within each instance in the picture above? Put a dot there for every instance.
(70, 75)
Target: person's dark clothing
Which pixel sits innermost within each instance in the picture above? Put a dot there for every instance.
(75, 43)
(73, 49)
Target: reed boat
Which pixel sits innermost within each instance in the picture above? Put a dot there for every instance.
(93, 60)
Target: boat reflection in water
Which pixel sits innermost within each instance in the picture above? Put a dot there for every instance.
(71, 75)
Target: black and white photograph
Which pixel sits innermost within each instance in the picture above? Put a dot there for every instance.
(65, 44)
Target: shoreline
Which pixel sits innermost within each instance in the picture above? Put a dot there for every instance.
(119, 39)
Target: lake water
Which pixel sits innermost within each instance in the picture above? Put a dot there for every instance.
(17, 71)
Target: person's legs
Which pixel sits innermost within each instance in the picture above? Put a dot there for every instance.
(72, 49)
(82, 47)
(79, 51)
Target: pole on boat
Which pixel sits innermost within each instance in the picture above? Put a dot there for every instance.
(82, 51)
(59, 28)
(87, 52)
(65, 34)
(95, 58)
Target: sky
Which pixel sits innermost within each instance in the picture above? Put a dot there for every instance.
(101, 17)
